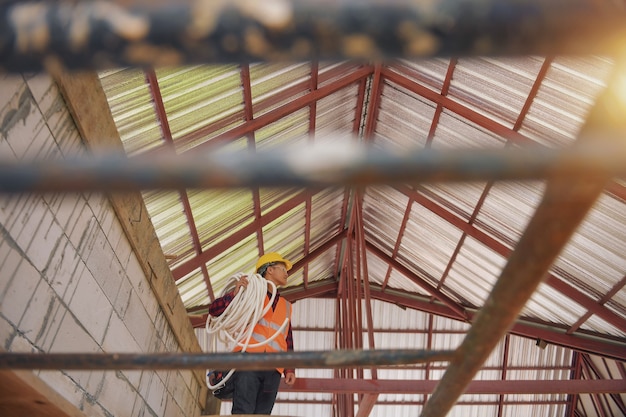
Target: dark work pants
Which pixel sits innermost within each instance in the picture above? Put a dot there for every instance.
(255, 391)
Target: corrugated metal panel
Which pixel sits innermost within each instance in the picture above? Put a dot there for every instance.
(404, 119)
(596, 324)
(219, 213)
(474, 272)
(527, 361)
(289, 130)
(326, 215)
(323, 267)
(531, 409)
(496, 88)
(428, 72)
(399, 281)
(551, 305)
(454, 131)
(271, 198)
(428, 243)
(597, 249)
(275, 84)
(241, 257)
(286, 236)
(164, 208)
(335, 115)
(132, 108)
(328, 72)
(383, 210)
(508, 208)
(199, 97)
(390, 316)
(192, 288)
(323, 319)
(565, 98)
(459, 198)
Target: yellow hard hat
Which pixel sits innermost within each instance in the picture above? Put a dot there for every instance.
(272, 257)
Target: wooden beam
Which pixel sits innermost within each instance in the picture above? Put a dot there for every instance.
(22, 393)
(88, 105)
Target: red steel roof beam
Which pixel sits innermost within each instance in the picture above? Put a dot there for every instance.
(518, 123)
(505, 363)
(249, 116)
(396, 248)
(500, 248)
(161, 115)
(307, 214)
(239, 235)
(606, 297)
(444, 92)
(289, 108)
(565, 203)
(477, 387)
(575, 374)
(367, 296)
(374, 103)
(451, 304)
(616, 189)
(595, 373)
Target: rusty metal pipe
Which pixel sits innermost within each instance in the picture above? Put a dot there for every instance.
(242, 361)
(313, 166)
(107, 34)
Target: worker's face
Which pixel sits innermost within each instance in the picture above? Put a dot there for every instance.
(277, 274)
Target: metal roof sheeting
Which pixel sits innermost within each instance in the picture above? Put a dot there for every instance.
(130, 102)
(199, 97)
(496, 88)
(564, 99)
(424, 242)
(474, 272)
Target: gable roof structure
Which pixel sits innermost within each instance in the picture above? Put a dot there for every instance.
(405, 265)
(414, 264)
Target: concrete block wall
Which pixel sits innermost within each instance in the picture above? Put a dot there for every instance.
(69, 280)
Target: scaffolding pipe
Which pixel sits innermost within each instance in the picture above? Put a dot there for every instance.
(35, 35)
(312, 166)
(242, 361)
(566, 202)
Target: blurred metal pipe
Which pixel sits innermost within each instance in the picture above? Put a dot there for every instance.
(242, 361)
(111, 34)
(311, 166)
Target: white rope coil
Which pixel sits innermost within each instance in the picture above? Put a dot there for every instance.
(234, 327)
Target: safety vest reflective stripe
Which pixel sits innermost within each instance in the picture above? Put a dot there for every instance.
(274, 326)
(273, 345)
(268, 326)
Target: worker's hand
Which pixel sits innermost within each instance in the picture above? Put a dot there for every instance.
(243, 282)
(290, 378)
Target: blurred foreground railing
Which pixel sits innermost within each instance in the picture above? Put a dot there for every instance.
(313, 166)
(112, 34)
(242, 361)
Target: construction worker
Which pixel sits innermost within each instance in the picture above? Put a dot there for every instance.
(255, 391)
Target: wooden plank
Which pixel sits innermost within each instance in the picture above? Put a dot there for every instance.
(22, 393)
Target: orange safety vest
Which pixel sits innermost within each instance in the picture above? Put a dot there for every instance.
(267, 326)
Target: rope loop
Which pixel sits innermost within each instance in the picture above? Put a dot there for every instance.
(234, 327)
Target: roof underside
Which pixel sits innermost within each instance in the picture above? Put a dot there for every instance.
(424, 256)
